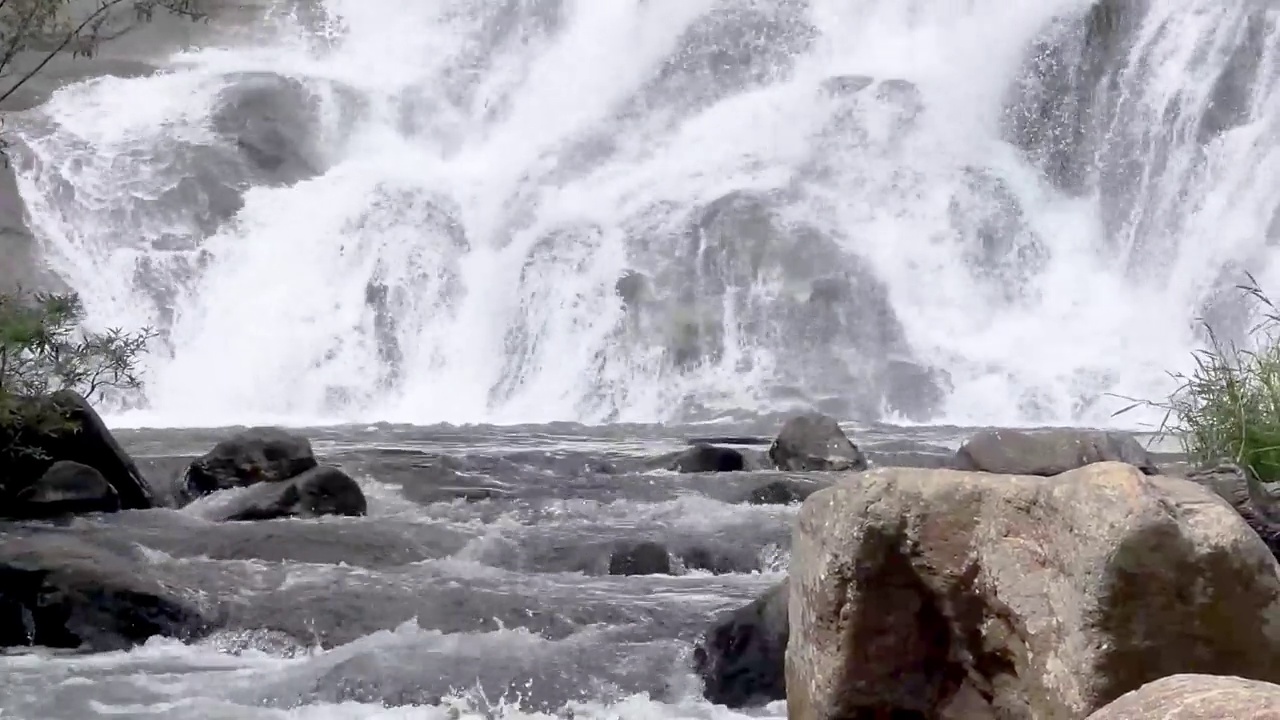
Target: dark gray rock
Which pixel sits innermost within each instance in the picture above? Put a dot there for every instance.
(323, 490)
(277, 123)
(87, 442)
(66, 488)
(915, 391)
(642, 558)
(782, 492)
(708, 458)
(1049, 452)
(718, 559)
(634, 288)
(262, 454)
(742, 657)
(815, 442)
(57, 591)
(1064, 97)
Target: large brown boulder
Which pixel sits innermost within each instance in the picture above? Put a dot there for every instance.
(1196, 697)
(949, 594)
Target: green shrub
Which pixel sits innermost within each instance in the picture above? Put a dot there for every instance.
(43, 350)
(1228, 406)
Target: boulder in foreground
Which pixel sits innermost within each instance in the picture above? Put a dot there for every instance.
(1196, 697)
(947, 594)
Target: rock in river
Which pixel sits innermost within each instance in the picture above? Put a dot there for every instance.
(947, 594)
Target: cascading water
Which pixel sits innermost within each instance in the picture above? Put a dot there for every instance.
(976, 212)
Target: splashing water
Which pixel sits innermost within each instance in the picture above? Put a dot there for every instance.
(421, 213)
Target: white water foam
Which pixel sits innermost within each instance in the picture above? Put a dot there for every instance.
(201, 681)
(523, 325)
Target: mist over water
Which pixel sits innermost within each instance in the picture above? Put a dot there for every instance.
(968, 212)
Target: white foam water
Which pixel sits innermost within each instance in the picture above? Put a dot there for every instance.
(203, 681)
(521, 322)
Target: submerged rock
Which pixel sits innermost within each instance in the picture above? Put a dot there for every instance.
(323, 490)
(741, 658)
(643, 558)
(938, 593)
(782, 492)
(708, 458)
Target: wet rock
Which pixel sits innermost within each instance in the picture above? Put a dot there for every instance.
(444, 479)
(1249, 497)
(323, 490)
(708, 458)
(274, 121)
(852, 309)
(717, 560)
(728, 50)
(741, 658)
(846, 85)
(263, 454)
(782, 492)
(998, 242)
(903, 96)
(634, 288)
(1232, 95)
(66, 488)
(1061, 102)
(1049, 452)
(60, 592)
(642, 558)
(915, 391)
(23, 268)
(815, 442)
(938, 593)
(741, 238)
(85, 440)
(1190, 696)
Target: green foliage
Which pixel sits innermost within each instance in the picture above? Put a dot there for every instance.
(43, 350)
(1228, 407)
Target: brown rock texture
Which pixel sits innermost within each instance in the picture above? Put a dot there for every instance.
(948, 594)
(1196, 697)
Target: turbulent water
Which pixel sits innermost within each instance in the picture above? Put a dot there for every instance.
(373, 211)
(434, 605)
(608, 212)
